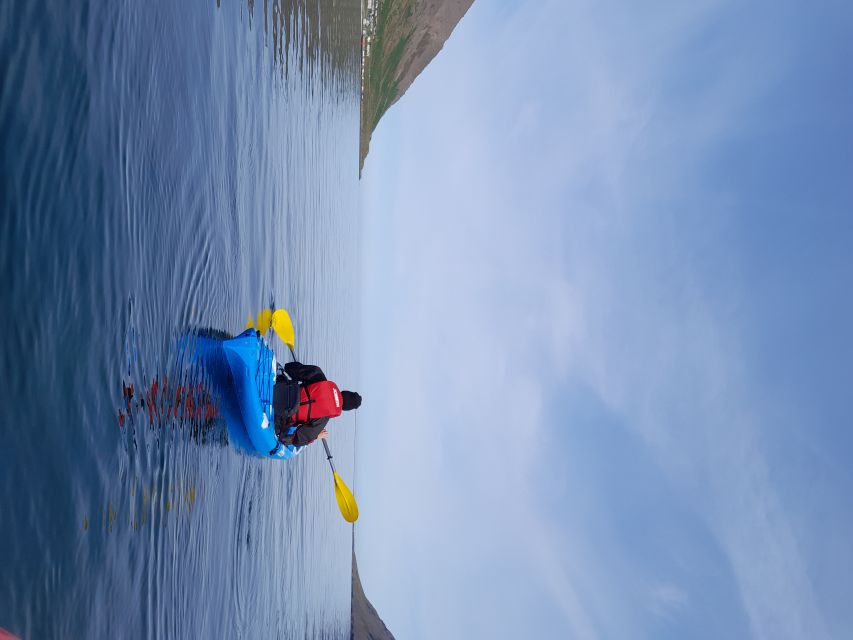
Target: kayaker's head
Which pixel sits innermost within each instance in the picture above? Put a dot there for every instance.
(351, 400)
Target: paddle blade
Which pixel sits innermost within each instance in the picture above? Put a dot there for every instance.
(250, 323)
(346, 501)
(264, 320)
(283, 327)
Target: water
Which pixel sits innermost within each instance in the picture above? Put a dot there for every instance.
(169, 165)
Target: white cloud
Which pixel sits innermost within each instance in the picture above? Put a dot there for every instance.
(666, 600)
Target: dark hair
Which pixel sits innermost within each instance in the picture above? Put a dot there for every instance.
(351, 400)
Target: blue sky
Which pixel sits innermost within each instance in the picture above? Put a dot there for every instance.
(607, 350)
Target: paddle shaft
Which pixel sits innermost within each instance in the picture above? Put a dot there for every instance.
(329, 456)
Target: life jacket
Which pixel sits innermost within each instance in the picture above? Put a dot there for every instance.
(319, 400)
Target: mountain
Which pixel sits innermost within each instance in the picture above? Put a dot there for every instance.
(366, 623)
(401, 38)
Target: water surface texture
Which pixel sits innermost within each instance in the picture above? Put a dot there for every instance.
(168, 166)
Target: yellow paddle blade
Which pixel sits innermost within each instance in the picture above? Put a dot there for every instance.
(283, 327)
(346, 501)
(264, 320)
(250, 323)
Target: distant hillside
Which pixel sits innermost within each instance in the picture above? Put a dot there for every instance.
(404, 36)
(366, 623)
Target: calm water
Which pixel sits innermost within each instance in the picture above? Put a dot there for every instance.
(168, 165)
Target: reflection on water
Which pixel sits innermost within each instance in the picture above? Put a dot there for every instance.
(147, 505)
(186, 403)
(301, 32)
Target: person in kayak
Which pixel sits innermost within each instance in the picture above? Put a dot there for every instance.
(306, 400)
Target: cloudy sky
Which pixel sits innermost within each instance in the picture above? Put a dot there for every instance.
(607, 327)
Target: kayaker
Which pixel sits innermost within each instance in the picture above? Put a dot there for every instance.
(304, 398)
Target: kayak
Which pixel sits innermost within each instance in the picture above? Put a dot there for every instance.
(242, 370)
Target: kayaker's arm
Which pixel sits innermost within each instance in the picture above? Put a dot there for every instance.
(308, 433)
(304, 373)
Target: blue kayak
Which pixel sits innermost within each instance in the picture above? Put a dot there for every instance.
(243, 371)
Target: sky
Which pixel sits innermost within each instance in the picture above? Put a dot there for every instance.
(607, 323)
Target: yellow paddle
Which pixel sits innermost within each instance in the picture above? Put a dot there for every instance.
(280, 322)
(346, 501)
(283, 327)
(264, 320)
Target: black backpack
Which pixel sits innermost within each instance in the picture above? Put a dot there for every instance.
(285, 402)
